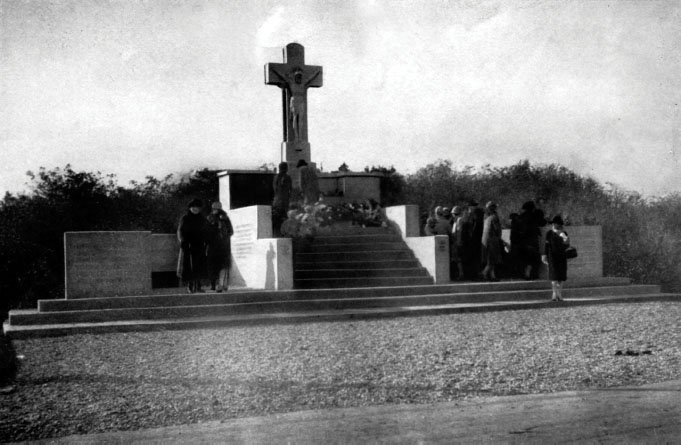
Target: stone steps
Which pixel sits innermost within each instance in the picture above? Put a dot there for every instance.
(318, 273)
(353, 313)
(379, 255)
(356, 265)
(181, 298)
(57, 317)
(357, 257)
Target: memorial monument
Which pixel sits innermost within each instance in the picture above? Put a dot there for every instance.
(294, 78)
(241, 188)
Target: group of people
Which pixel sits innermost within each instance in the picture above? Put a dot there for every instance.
(477, 249)
(205, 247)
(475, 243)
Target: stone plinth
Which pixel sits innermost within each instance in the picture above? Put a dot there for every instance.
(294, 151)
(259, 261)
(107, 264)
(244, 188)
(406, 218)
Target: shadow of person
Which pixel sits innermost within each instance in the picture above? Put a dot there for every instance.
(269, 271)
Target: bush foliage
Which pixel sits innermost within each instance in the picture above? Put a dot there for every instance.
(641, 237)
(32, 225)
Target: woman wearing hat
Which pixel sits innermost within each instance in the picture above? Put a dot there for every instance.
(219, 249)
(191, 233)
(283, 186)
(492, 243)
(456, 245)
(557, 241)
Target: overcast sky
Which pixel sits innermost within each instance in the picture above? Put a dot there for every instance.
(158, 87)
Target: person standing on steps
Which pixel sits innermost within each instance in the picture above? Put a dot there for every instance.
(191, 232)
(557, 241)
(219, 248)
(282, 185)
(491, 242)
(530, 222)
(472, 226)
(309, 184)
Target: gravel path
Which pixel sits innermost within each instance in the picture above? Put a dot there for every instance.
(94, 383)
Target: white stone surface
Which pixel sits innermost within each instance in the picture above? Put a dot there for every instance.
(433, 254)
(258, 260)
(406, 218)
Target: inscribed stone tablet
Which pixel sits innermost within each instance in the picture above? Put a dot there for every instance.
(106, 264)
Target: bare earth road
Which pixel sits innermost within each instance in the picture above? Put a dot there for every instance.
(644, 414)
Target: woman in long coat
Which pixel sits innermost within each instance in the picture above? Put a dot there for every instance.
(191, 232)
(219, 249)
(283, 186)
(557, 241)
(492, 243)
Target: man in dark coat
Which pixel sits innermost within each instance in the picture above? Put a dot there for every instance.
(191, 232)
(473, 225)
(282, 186)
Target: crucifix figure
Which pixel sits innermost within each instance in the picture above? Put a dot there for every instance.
(294, 78)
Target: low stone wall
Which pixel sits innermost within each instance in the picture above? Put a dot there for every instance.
(106, 264)
(588, 240)
(354, 186)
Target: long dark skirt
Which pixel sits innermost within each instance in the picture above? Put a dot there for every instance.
(219, 258)
(557, 268)
(191, 264)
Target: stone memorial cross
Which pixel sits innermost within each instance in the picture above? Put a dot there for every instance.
(294, 78)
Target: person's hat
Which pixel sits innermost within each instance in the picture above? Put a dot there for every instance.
(195, 203)
(283, 167)
(529, 205)
(472, 203)
(491, 205)
(217, 205)
(557, 220)
(301, 163)
(457, 210)
(446, 212)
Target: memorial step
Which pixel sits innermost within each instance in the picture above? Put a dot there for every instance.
(325, 283)
(178, 297)
(359, 272)
(382, 255)
(355, 239)
(317, 247)
(358, 264)
(204, 306)
(353, 313)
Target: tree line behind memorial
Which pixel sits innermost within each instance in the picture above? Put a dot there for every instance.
(641, 237)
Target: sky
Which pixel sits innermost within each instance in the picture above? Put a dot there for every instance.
(138, 88)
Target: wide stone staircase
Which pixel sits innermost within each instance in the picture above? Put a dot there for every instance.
(357, 273)
(357, 257)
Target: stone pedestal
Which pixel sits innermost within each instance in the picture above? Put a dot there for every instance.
(294, 152)
(244, 188)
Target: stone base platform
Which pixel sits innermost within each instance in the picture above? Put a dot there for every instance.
(185, 311)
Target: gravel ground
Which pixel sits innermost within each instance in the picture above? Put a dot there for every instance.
(95, 383)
